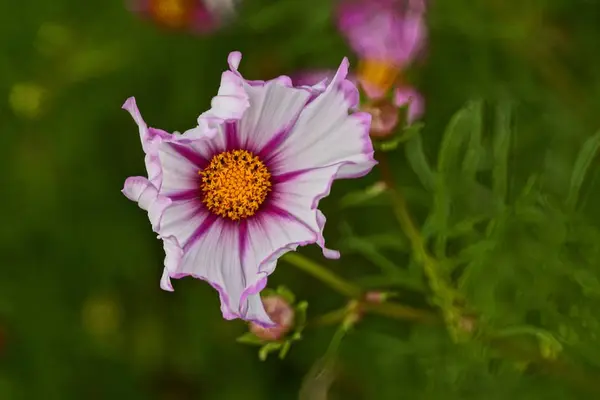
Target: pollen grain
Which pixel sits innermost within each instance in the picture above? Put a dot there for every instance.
(235, 184)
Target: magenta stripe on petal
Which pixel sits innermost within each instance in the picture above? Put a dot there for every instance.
(200, 231)
(232, 141)
(184, 195)
(243, 238)
(288, 176)
(268, 152)
(190, 155)
(269, 148)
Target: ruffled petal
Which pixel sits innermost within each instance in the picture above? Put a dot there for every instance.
(142, 191)
(217, 257)
(416, 104)
(236, 258)
(325, 135)
(173, 256)
(265, 110)
(297, 195)
(184, 220)
(273, 111)
(151, 139)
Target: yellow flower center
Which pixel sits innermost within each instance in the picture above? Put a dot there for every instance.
(173, 13)
(235, 184)
(379, 74)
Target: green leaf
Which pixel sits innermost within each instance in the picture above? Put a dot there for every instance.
(406, 134)
(285, 348)
(363, 197)
(460, 128)
(550, 347)
(458, 131)
(582, 164)
(501, 147)
(301, 309)
(382, 241)
(472, 158)
(250, 338)
(588, 281)
(418, 161)
(267, 349)
(370, 252)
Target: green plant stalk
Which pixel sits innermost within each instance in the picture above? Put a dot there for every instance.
(324, 275)
(508, 348)
(443, 295)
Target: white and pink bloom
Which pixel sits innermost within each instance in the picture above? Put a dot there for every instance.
(232, 195)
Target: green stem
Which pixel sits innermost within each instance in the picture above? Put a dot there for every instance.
(399, 311)
(444, 295)
(323, 274)
(407, 224)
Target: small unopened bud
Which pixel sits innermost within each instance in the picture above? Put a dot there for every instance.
(280, 312)
(375, 297)
(384, 118)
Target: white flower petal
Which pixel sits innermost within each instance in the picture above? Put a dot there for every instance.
(183, 219)
(142, 191)
(151, 139)
(236, 258)
(173, 255)
(326, 135)
(273, 110)
(180, 164)
(230, 102)
(216, 257)
(299, 195)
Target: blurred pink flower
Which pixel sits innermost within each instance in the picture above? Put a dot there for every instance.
(232, 195)
(199, 16)
(390, 31)
(386, 35)
(281, 313)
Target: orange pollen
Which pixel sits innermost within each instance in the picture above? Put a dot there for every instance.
(173, 13)
(235, 184)
(380, 74)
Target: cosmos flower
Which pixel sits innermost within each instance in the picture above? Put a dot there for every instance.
(386, 35)
(200, 16)
(232, 195)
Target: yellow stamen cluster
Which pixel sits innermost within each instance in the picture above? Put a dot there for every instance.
(172, 13)
(235, 184)
(380, 74)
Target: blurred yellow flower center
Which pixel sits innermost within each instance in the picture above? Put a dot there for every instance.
(173, 13)
(377, 73)
(234, 184)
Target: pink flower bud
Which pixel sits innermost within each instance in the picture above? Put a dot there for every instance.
(384, 118)
(280, 312)
(375, 297)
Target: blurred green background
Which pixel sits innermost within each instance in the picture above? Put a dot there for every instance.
(81, 313)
